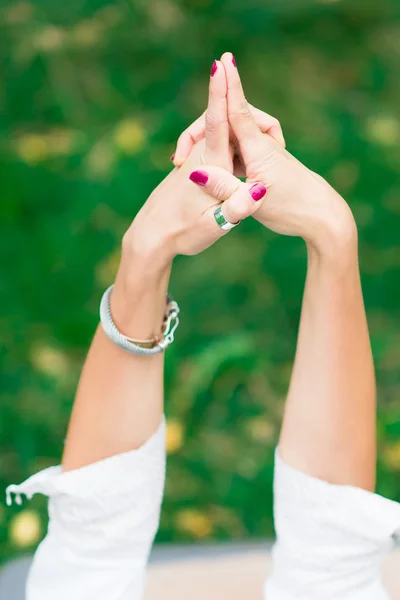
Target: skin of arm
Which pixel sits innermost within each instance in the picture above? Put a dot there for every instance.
(329, 426)
(119, 401)
(330, 418)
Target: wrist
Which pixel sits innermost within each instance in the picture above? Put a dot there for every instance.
(334, 240)
(148, 254)
(148, 241)
(139, 295)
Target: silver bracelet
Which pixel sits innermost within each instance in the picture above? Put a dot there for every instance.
(110, 329)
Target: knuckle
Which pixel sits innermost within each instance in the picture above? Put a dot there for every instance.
(240, 209)
(242, 111)
(213, 124)
(263, 164)
(221, 190)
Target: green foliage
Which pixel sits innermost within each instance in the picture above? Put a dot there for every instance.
(94, 95)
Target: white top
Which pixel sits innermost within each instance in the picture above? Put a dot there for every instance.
(331, 540)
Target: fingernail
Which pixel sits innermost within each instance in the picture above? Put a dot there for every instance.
(234, 61)
(172, 157)
(258, 191)
(199, 177)
(214, 68)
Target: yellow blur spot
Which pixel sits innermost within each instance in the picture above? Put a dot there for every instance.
(384, 130)
(392, 456)
(109, 15)
(25, 529)
(32, 148)
(19, 12)
(88, 33)
(129, 136)
(49, 360)
(166, 14)
(345, 175)
(107, 269)
(100, 161)
(175, 435)
(260, 429)
(49, 39)
(194, 522)
(63, 142)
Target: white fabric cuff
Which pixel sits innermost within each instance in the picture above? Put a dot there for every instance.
(331, 539)
(108, 504)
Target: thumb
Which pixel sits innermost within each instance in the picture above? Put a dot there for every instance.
(240, 200)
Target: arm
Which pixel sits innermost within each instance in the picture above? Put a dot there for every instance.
(105, 500)
(328, 429)
(119, 401)
(332, 533)
(329, 425)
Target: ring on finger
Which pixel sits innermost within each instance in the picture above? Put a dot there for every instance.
(221, 221)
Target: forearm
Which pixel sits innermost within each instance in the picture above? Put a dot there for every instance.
(119, 401)
(329, 424)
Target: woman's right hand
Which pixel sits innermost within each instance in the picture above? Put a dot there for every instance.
(299, 202)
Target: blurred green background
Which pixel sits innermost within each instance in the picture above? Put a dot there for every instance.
(93, 96)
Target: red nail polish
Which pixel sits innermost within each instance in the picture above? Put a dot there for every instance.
(214, 68)
(233, 61)
(172, 157)
(199, 177)
(258, 191)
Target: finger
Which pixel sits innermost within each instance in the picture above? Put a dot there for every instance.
(248, 134)
(244, 202)
(216, 119)
(215, 181)
(268, 124)
(187, 139)
(240, 200)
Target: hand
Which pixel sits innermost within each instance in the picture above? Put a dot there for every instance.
(299, 201)
(178, 217)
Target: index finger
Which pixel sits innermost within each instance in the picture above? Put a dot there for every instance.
(248, 134)
(216, 118)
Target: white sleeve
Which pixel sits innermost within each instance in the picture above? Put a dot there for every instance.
(103, 519)
(331, 539)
